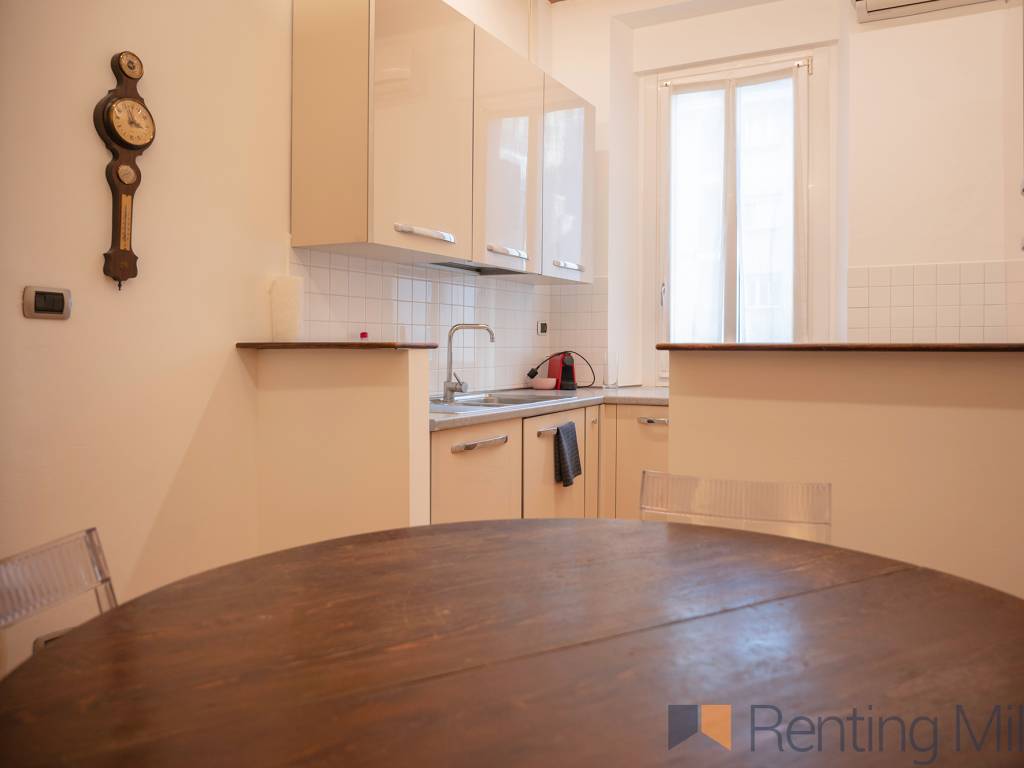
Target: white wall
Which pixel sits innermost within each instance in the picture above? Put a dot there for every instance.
(507, 20)
(746, 31)
(935, 138)
(137, 414)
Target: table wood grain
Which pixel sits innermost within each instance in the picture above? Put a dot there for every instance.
(514, 643)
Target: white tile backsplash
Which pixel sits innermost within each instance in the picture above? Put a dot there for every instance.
(346, 295)
(903, 275)
(903, 296)
(969, 302)
(880, 297)
(948, 274)
(880, 276)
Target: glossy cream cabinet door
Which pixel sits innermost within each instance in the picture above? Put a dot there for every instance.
(509, 107)
(422, 128)
(568, 184)
(542, 496)
(641, 443)
(476, 473)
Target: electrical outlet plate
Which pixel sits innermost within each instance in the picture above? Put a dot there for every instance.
(46, 303)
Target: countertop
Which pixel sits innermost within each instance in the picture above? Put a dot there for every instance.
(841, 347)
(584, 397)
(333, 345)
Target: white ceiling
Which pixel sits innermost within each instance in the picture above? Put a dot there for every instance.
(650, 13)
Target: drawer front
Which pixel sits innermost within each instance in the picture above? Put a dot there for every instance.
(542, 496)
(642, 443)
(476, 473)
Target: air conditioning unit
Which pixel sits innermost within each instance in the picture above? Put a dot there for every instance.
(875, 10)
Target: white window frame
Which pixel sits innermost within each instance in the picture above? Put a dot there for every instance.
(816, 233)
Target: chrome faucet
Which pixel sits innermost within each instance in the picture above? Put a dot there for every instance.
(453, 383)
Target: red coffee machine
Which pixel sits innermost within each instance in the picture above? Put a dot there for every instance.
(562, 368)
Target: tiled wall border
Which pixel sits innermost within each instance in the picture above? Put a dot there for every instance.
(965, 302)
(345, 295)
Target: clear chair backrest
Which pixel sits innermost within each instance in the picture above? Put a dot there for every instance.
(40, 578)
(796, 510)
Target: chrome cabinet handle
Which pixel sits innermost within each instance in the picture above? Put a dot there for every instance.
(433, 234)
(548, 430)
(568, 265)
(649, 420)
(503, 251)
(490, 442)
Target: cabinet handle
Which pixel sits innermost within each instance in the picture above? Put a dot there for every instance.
(548, 430)
(568, 265)
(649, 420)
(433, 234)
(488, 443)
(503, 251)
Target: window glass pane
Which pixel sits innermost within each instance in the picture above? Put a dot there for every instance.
(765, 187)
(696, 217)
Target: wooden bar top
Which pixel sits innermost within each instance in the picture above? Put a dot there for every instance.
(334, 345)
(841, 347)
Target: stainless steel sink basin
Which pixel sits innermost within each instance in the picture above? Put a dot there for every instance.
(470, 403)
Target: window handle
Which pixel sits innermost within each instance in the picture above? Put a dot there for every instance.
(663, 288)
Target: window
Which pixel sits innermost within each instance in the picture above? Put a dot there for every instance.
(732, 154)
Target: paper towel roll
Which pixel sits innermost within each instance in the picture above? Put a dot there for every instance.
(285, 308)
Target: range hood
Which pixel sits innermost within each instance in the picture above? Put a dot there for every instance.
(484, 270)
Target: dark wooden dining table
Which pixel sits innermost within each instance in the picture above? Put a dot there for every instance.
(522, 643)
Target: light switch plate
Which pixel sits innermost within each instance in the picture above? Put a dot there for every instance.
(46, 303)
(542, 328)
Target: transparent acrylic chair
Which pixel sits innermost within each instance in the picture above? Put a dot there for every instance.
(42, 577)
(796, 510)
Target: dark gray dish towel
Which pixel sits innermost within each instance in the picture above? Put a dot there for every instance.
(567, 454)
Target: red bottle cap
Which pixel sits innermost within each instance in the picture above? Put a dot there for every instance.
(364, 335)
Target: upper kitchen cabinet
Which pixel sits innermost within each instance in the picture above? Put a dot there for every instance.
(568, 184)
(509, 116)
(382, 128)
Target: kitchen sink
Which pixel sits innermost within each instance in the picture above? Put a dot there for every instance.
(470, 403)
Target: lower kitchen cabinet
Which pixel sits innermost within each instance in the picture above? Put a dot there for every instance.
(506, 469)
(641, 438)
(476, 472)
(542, 495)
(592, 465)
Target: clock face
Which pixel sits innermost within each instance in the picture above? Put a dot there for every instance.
(131, 122)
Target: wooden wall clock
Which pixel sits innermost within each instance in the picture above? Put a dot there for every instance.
(126, 126)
